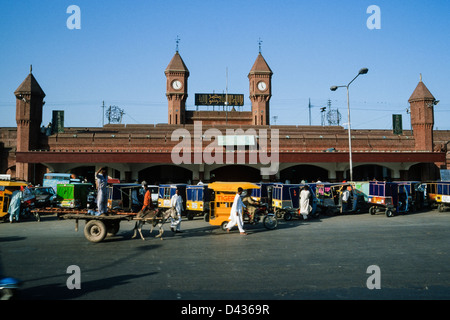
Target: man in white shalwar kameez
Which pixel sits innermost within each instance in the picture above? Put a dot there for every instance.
(305, 208)
(236, 213)
(177, 202)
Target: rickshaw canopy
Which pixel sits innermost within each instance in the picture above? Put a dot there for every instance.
(232, 186)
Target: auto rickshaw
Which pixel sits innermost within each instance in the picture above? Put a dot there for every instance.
(167, 191)
(285, 196)
(340, 198)
(222, 198)
(73, 195)
(126, 196)
(197, 201)
(6, 190)
(392, 197)
(438, 194)
(286, 200)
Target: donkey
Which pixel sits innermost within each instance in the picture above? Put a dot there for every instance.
(157, 219)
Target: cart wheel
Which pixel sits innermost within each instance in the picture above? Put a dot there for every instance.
(389, 213)
(287, 216)
(224, 225)
(372, 210)
(95, 231)
(270, 222)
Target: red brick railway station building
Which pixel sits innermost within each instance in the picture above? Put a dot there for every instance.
(138, 152)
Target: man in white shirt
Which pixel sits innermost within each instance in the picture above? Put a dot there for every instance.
(177, 202)
(236, 213)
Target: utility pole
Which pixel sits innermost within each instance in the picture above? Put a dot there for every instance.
(103, 113)
(309, 107)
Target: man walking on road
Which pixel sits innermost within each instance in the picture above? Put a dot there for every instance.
(177, 202)
(236, 213)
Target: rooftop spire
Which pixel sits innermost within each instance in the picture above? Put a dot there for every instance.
(177, 41)
(259, 44)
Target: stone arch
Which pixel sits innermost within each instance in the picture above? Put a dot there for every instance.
(371, 171)
(423, 172)
(162, 174)
(306, 172)
(236, 172)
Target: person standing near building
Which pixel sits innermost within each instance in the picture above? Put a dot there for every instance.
(101, 177)
(177, 202)
(236, 213)
(305, 207)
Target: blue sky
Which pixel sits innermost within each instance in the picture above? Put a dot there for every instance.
(120, 53)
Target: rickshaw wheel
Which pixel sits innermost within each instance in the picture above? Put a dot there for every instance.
(224, 225)
(270, 222)
(206, 217)
(389, 213)
(95, 231)
(287, 216)
(372, 210)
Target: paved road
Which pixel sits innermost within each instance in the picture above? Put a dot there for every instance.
(325, 258)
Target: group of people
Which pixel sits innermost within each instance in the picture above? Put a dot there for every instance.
(236, 214)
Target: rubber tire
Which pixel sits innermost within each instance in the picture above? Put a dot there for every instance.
(270, 222)
(389, 213)
(223, 226)
(95, 231)
(287, 216)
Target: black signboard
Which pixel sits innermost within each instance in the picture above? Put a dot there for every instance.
(219, 99)
(397, 124)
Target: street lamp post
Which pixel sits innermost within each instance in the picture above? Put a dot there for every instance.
(334, 88)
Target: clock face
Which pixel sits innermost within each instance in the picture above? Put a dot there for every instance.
(262, 86)
(176, 84)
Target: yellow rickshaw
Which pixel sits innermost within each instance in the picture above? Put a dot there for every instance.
(6, 190)
(222, 197)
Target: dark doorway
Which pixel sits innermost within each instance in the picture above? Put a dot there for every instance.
(164, 174)
(236, 173)
(307, 173)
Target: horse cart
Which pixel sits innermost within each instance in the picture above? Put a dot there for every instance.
(98, 227)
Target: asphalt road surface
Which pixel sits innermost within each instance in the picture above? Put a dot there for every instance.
(340, 257)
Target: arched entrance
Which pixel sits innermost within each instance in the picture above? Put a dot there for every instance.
(424, 172)
(308, 173)
(85, 172)
(163, 174)
(236, 173)
(369, 172)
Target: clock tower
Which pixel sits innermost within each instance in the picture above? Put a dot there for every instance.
(176, 89)
(260, 78)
